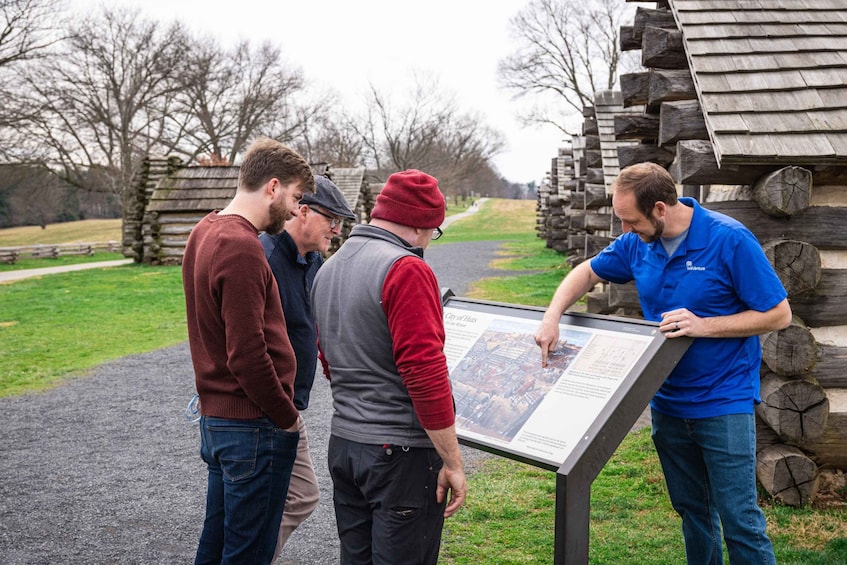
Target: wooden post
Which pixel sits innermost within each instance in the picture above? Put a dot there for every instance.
(787, 474)
(796, 409)
(785, 192)
(797, 263)
(790, 351)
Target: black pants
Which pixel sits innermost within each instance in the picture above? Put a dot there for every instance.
(385, 505)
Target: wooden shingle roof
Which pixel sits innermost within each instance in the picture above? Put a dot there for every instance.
(771, 76)
(349, 182)
(195, 188)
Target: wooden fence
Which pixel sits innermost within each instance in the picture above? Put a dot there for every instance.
(11, 255)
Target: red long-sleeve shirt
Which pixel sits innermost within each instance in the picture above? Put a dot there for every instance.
(411, 302)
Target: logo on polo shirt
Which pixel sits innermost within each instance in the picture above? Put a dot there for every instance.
(690, 266)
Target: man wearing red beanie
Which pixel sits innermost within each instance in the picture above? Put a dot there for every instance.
(393, 451)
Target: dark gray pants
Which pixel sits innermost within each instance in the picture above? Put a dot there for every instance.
(385, 506)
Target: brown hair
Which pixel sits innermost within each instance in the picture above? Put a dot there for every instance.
(650, 183)
(267, 159)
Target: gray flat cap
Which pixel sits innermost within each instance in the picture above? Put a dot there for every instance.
(329, 197)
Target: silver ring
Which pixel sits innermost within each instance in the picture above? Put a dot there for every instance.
(676, 326)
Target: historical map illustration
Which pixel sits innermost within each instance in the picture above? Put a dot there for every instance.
(499, 382)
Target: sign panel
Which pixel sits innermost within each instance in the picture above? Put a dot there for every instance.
(508, 403)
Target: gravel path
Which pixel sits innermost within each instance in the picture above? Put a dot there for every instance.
(105, 469)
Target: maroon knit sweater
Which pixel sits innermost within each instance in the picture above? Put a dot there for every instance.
(244, 365)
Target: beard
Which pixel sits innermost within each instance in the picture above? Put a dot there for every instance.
(658, 230)
(279, 214)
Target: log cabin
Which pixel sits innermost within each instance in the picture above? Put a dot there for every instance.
(170, 198)
(744, 103)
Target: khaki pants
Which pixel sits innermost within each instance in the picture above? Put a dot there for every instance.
(303, 494)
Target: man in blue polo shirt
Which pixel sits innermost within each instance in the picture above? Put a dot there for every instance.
(704, 275)
(295, 255)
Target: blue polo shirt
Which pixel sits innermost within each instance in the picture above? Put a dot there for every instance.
(720, 269)
(294, 275)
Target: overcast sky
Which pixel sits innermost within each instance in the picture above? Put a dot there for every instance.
(345, 45)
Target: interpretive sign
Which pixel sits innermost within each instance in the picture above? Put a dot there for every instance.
(568, 417)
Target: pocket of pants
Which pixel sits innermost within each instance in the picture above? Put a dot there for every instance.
(235, 449)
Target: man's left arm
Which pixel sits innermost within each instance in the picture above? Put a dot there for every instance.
(676, 323)
(755, 283)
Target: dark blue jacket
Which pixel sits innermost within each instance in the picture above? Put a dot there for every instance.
(294, 275)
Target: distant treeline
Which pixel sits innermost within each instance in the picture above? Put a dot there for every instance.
(31, 196)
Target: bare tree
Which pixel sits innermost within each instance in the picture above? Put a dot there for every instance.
(226, 98)
(429, 133)
(399, 139)
(331, 136)
(100, 103)
(27, 29)
(567, 51)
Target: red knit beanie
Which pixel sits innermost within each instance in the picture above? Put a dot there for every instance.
(411, 198)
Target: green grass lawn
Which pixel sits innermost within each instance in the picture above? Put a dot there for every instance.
(58, 326)
(510, 511)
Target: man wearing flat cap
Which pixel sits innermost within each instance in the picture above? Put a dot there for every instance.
(394, 457)
(295, 255)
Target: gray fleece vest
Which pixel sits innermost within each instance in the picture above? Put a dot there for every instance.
(371, 404)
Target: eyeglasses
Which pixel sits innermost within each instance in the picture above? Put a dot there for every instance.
(436, 233)
(333, 222)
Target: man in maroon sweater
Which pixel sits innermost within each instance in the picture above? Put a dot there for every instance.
(244, 365)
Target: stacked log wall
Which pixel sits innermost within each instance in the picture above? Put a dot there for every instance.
(797, 215)
(556, 223)
(152, 170)
(541, 210)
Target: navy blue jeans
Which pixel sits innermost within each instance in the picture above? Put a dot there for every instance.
(250, 465)
(710, 469)
(385, 505)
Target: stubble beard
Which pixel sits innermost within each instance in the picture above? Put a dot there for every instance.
(279, 214)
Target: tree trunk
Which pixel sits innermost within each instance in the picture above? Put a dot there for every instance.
(628, 41)
(787, 474)
(623, 296)
(695, 163)
(670, 85)
(634, 88)
(831, 447)
(663, 49)
(636, 126)
(821, 226)
(785, 192)
(826, 305)
(682, 119)
(831, 369)
(632, 154)
(790, 351)
(765, 436)
(647, 17)
(796, 409)
(595, 176)
(797, 263)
